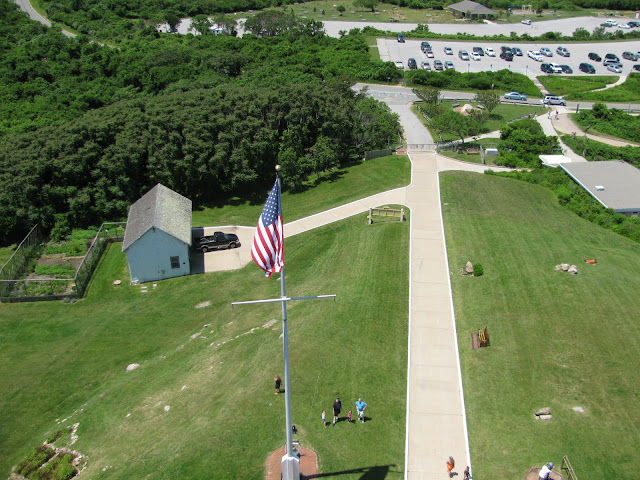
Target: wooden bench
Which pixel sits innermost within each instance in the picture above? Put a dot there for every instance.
(472, 151)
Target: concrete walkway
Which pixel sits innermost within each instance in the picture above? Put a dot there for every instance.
(566, 125)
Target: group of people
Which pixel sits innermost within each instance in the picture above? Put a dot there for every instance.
(337, 409)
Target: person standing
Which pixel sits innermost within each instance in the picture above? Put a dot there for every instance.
(545, 471)
(349, 416)
(324, 418)
(360, 406)
(337, 408)
(556, 114)
(278, 382)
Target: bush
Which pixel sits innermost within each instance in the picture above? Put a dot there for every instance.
(38, 457)
(477, 270)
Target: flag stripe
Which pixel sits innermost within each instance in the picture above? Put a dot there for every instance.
(268, 242)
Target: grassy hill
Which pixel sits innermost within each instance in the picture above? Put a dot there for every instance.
(557, 340)
(62, 364)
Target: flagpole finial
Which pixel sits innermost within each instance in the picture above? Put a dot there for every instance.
(278, 168)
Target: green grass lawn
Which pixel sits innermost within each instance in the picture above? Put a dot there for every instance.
(473, 158)
(62, 364)
(581, 88)
(5, 254)
(349, 184)
(556, 340)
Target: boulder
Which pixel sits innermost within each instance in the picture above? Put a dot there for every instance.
(573, 270)
(543, 411)
(558, 267)
(469, 268)
(565, 266)
(132, 366)
(544, 417)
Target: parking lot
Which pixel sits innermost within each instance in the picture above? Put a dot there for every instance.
(392, 50)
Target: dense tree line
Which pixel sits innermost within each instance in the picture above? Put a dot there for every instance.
(86, 129)
(522, 143)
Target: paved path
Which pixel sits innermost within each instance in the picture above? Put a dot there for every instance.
(566, 125)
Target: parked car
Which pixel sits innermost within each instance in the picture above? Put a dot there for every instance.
(217, 241)
(630, 56)
(424, 46)
(515, 96)
(634, 24)
(611, 61)
(429, 53)
(614, 68)
(605, 25)
(611, 23)
(587, 68)
(449, 65)
(555, 68)
(412, 64)
(612, 56)
(505, 49)
(636, 67)
(537, 56)
(425, 66)
(526, 21)
(490, 52)
(554, 100)
(448, 50)
(401, 37)
(463, 54)
(546, 52)
(626, 26)
(546, 68)
(475, 56)
(437, 65)
(478, 50)
(595, 57)
(516, 51)
(400, 64)
(562, 51)
(566, 69)
(507, 56)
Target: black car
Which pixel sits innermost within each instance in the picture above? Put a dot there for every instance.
(587, 68)
(401, 37)
(508, 56)
(595, 57)
(566, 69)
(516, 51)
(611, 56)
(636, 68)
(633, 24)
(506, 49)
(546, 68)
(217, 241)
(478, 50)
(412, 64)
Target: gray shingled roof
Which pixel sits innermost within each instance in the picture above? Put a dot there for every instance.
(617, 182)
(467, 6)
(161, 208)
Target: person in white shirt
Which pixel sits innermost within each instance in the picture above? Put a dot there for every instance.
(546, 471)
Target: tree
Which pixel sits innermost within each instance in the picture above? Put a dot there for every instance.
(428, 95)
(366, 4)
(269, 23)
(452, 122)
(489, 99)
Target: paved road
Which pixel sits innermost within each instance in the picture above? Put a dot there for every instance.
(25, 6)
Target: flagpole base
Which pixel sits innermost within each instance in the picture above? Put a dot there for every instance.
(290, 468)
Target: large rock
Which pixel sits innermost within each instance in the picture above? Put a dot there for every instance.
(469, 268)
(544, 417)
(544, 411)
(573, 270)
(132, 366)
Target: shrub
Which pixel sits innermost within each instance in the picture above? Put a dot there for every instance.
(477, 270)
(39, 456)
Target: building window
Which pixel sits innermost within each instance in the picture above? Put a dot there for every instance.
(175, 262)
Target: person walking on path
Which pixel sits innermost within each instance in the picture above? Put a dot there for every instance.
(549, 115)
(556, 114)
(277, 381)
(360, 406)
(450, 464)
(324, 418)
(545, 471)
(466, 475)
(337, 408)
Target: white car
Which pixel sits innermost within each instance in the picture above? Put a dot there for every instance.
(614, 68)
(624, 25)
(526, 21)
(400, 64)
(537, 56)
(429, 54)
(425, 66)
(490, 52)
(475, 56)
(555, 68)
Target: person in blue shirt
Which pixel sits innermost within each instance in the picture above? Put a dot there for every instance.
(360, 406)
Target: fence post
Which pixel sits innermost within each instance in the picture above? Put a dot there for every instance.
(370, 219)
(402, 215)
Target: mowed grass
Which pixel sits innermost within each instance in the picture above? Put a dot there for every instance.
(346, 185)
(67, 362)
(582, 88)
(557, 340)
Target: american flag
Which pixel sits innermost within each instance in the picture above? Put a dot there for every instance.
(268, 242)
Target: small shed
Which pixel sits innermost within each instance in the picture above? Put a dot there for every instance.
(469, 9)
(157, 238)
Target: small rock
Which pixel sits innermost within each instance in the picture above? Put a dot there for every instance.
(544, 411)
(157, 404)
(167, 408)
(544, 417)
(194, 336)
(206, 325)
(203, 305)
(565, 266)
(558, 267)
(573, 270)
(578, 409)
(180, 347)
(132, 366)
(128, 415)
(183, 387)
(269, 324)
(117, 282)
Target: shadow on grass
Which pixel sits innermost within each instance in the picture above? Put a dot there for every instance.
(377, 472)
